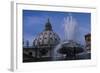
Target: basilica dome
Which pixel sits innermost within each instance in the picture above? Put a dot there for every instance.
(48, 38)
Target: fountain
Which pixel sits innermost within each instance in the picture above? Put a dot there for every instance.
(69, 47)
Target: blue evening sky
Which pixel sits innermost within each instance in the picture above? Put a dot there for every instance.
(34, 23)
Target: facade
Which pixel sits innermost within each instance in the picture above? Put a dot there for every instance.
(88, 42)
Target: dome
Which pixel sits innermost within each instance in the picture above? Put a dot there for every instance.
(47, 38)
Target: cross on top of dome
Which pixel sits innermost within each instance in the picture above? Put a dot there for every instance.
(48, 26)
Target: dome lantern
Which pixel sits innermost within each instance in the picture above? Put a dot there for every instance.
(48, 26)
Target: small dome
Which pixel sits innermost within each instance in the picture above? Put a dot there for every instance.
(47, 38)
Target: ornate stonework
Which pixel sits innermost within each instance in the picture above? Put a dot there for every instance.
(47, 38)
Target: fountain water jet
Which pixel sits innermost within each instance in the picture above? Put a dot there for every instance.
(70, 27)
